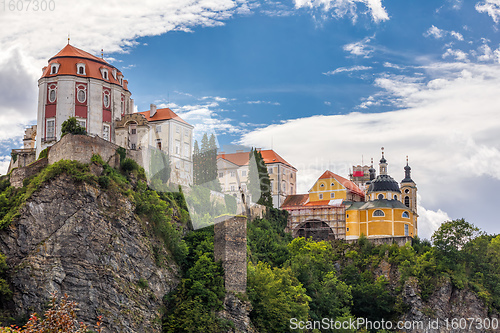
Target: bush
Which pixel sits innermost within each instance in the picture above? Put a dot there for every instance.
(104, 181)
(60, 317)
(96, 158)
(44, 153)
(129, 165)
(72, 126)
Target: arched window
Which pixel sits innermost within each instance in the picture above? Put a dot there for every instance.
(380, 196)
(332, 184)
(406, 215)
(407, 201)
(407, 191)
(395, 197)
(378, 212)
(81, 95)
(52, 94)
(322, 185)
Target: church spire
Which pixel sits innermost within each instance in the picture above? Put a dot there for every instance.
(383, 164)
(407, 173)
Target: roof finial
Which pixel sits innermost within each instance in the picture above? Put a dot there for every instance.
(68, 38)
(372, 162)
(102, 53)
(406, 159)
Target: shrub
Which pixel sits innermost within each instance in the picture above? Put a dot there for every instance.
(44, 153)
(96, 158)
(129, 165)
(72, 126)
(60, 317)
(104, 181)
(122, 152)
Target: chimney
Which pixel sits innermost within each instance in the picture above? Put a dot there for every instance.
(153, 110)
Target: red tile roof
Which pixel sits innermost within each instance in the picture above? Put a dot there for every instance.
(163, 114)
(269, 156)
(295, 200)
(347, 183)
(69, 56)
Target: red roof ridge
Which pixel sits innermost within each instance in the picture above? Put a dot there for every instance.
(71, 51)
(163, 114)
(345, 182)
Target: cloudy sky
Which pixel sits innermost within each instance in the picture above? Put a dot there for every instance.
(325, 83)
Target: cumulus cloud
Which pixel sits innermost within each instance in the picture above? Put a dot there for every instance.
(360, 48)
(262, 102)
(348, 69)
(490, 7)
(349, 8)
(458, 55)
(447, 123)
(440, 33)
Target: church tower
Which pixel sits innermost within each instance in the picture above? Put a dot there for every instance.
(409, 193)
(383, 164)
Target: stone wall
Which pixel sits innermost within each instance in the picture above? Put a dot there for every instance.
(230, 246)
(401, 241)
(20, 174)
(81, 148)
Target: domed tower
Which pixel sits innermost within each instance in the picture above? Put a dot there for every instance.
(409, 189)
(384, 186)
(77, 84)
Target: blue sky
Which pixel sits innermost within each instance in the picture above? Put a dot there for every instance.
(325, 83)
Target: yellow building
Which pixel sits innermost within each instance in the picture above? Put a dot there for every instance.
(337, 208)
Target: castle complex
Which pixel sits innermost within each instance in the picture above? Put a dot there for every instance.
(369, 205)
(78, 84)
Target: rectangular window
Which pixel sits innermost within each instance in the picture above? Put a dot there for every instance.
(233, 174)
(270, 170)
(244, 173)
(332, 195)
(186, 150)
(177, 147)
(221, 174)
(407, 230)
(50, 129)
(177, 129)
(133, 146)
(133, 131)
(320, 196)
(105, 132)
(82, 123)
(158, 144)
(233, 188)
(186, 133)
(158, 128)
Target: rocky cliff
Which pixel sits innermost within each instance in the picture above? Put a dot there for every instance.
(75, 238)
(435, 314)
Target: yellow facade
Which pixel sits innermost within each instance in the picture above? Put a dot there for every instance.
(327, 189)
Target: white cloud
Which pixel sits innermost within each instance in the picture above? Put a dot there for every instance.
(342, 8)
(348, 69)
(429, 220)
(491, 7)
(263, 102)
(447, 122)
(360, 48)
(440, 33)
(458, 55)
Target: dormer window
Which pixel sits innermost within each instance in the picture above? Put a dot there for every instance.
(80, 69)
(104, 73)
(120, 78)
(114, 73)
(54, 68)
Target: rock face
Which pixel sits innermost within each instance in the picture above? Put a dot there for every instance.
(446, 303)
(76, 239)
(237, 311)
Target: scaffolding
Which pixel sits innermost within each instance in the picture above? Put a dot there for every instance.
(320, 222)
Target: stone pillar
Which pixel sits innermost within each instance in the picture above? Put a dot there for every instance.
(230, 246)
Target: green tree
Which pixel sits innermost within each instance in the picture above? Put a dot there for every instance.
(259, 184)
(451, 237)
(276, 297)
(72, 126)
